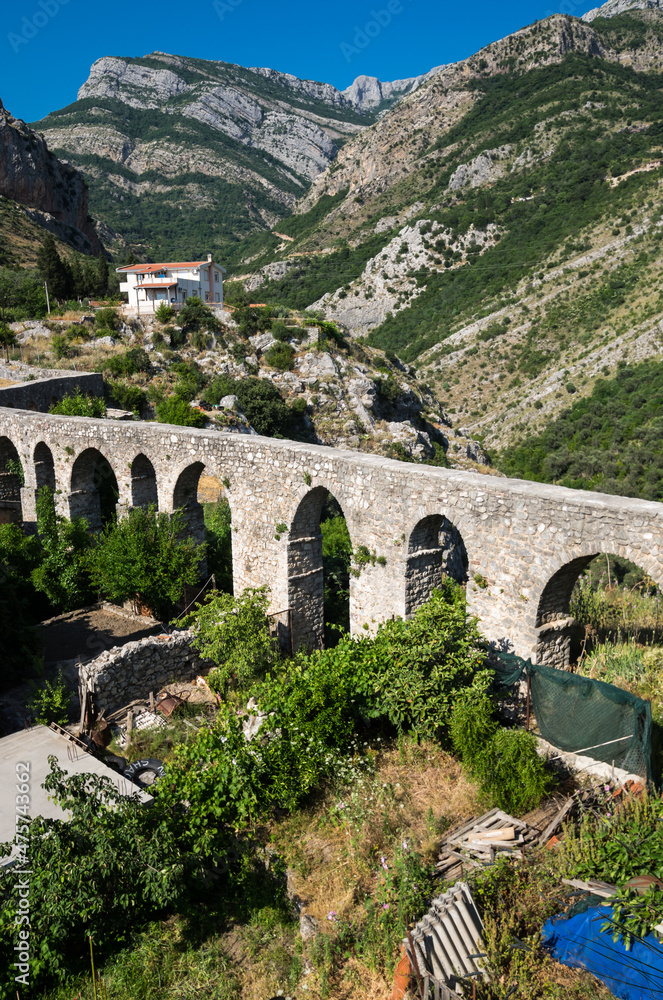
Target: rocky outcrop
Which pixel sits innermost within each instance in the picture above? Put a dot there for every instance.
(369, 92)
(388, 283)
(483, 169)
(31, 175)
(615, 7)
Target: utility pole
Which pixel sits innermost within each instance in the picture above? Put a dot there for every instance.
(48, 304)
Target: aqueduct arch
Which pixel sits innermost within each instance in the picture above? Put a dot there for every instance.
(144, 490)
(519, 536)
(11, 478)
(305, 569)
(558, 634)
(435, 547)
(94, 490)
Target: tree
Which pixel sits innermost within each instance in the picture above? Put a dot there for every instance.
(233, 632)
(77, 279)
(52, 269)
(101, 288)
(61, 575)
(145, 556)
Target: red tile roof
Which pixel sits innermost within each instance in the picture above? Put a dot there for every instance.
(149, 268)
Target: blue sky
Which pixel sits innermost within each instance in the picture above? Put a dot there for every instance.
(49, 45)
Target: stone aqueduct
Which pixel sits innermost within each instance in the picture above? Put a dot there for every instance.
(519, 545)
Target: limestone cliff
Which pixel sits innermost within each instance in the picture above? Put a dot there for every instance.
(54, 192)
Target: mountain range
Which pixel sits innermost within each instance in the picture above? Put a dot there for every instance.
(495, 221)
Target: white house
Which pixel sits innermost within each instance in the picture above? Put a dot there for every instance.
(148, 285)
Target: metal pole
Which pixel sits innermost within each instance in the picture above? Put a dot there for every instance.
(48, 304)
(94, 982)
(529, 685)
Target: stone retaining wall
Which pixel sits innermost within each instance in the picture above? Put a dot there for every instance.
(40, 394)
(132, 671)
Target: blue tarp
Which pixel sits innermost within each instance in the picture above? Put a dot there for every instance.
(636, 974)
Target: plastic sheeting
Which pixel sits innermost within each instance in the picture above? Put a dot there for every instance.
(636, 974)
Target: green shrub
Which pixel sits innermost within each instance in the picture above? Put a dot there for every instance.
(132, 361)
(51, 703)
(195, 315)
(233, 632)
(107, 319)
(78, 405)
(127, 396)
(280, 356)
(172, 410)
(280, 331)
(164, 313)
(201, 341)
(510, 773)
(158, 340)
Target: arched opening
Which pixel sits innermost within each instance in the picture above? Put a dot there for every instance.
(44, 466)
(94, 490)
(185, 499)
(336, 558)
(306, 569)
(435, 549)
(11, 481)
(143, 483)
(594, 605)
(218, 530)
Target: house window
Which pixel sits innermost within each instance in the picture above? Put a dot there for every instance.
(217, 297)
(206, 296)
(184, 295)
(160, 294)
(216, 277)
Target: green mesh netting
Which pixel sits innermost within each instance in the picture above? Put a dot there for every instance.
(577, 714)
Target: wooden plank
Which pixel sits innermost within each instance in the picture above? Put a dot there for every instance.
(598, 888)
(556, 821)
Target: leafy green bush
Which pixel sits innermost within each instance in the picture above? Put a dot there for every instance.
(145, 870)
(280, 331)
(61, 573)
(107, 319)
(407, 675)
(195, 315)
(145, 556)
(510, 773)
(51, 702)
(172, 410)
(201, 341)
(261, 403)
(280, 355)
(127, 396)
(132, 361)
(78, 405)
(233, 632)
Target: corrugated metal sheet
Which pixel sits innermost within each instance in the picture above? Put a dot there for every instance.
(448, 943)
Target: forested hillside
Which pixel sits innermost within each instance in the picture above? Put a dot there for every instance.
(611, 441)
(502, 229)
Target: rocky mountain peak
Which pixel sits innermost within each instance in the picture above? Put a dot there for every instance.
(613, 8)
(369, 92)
